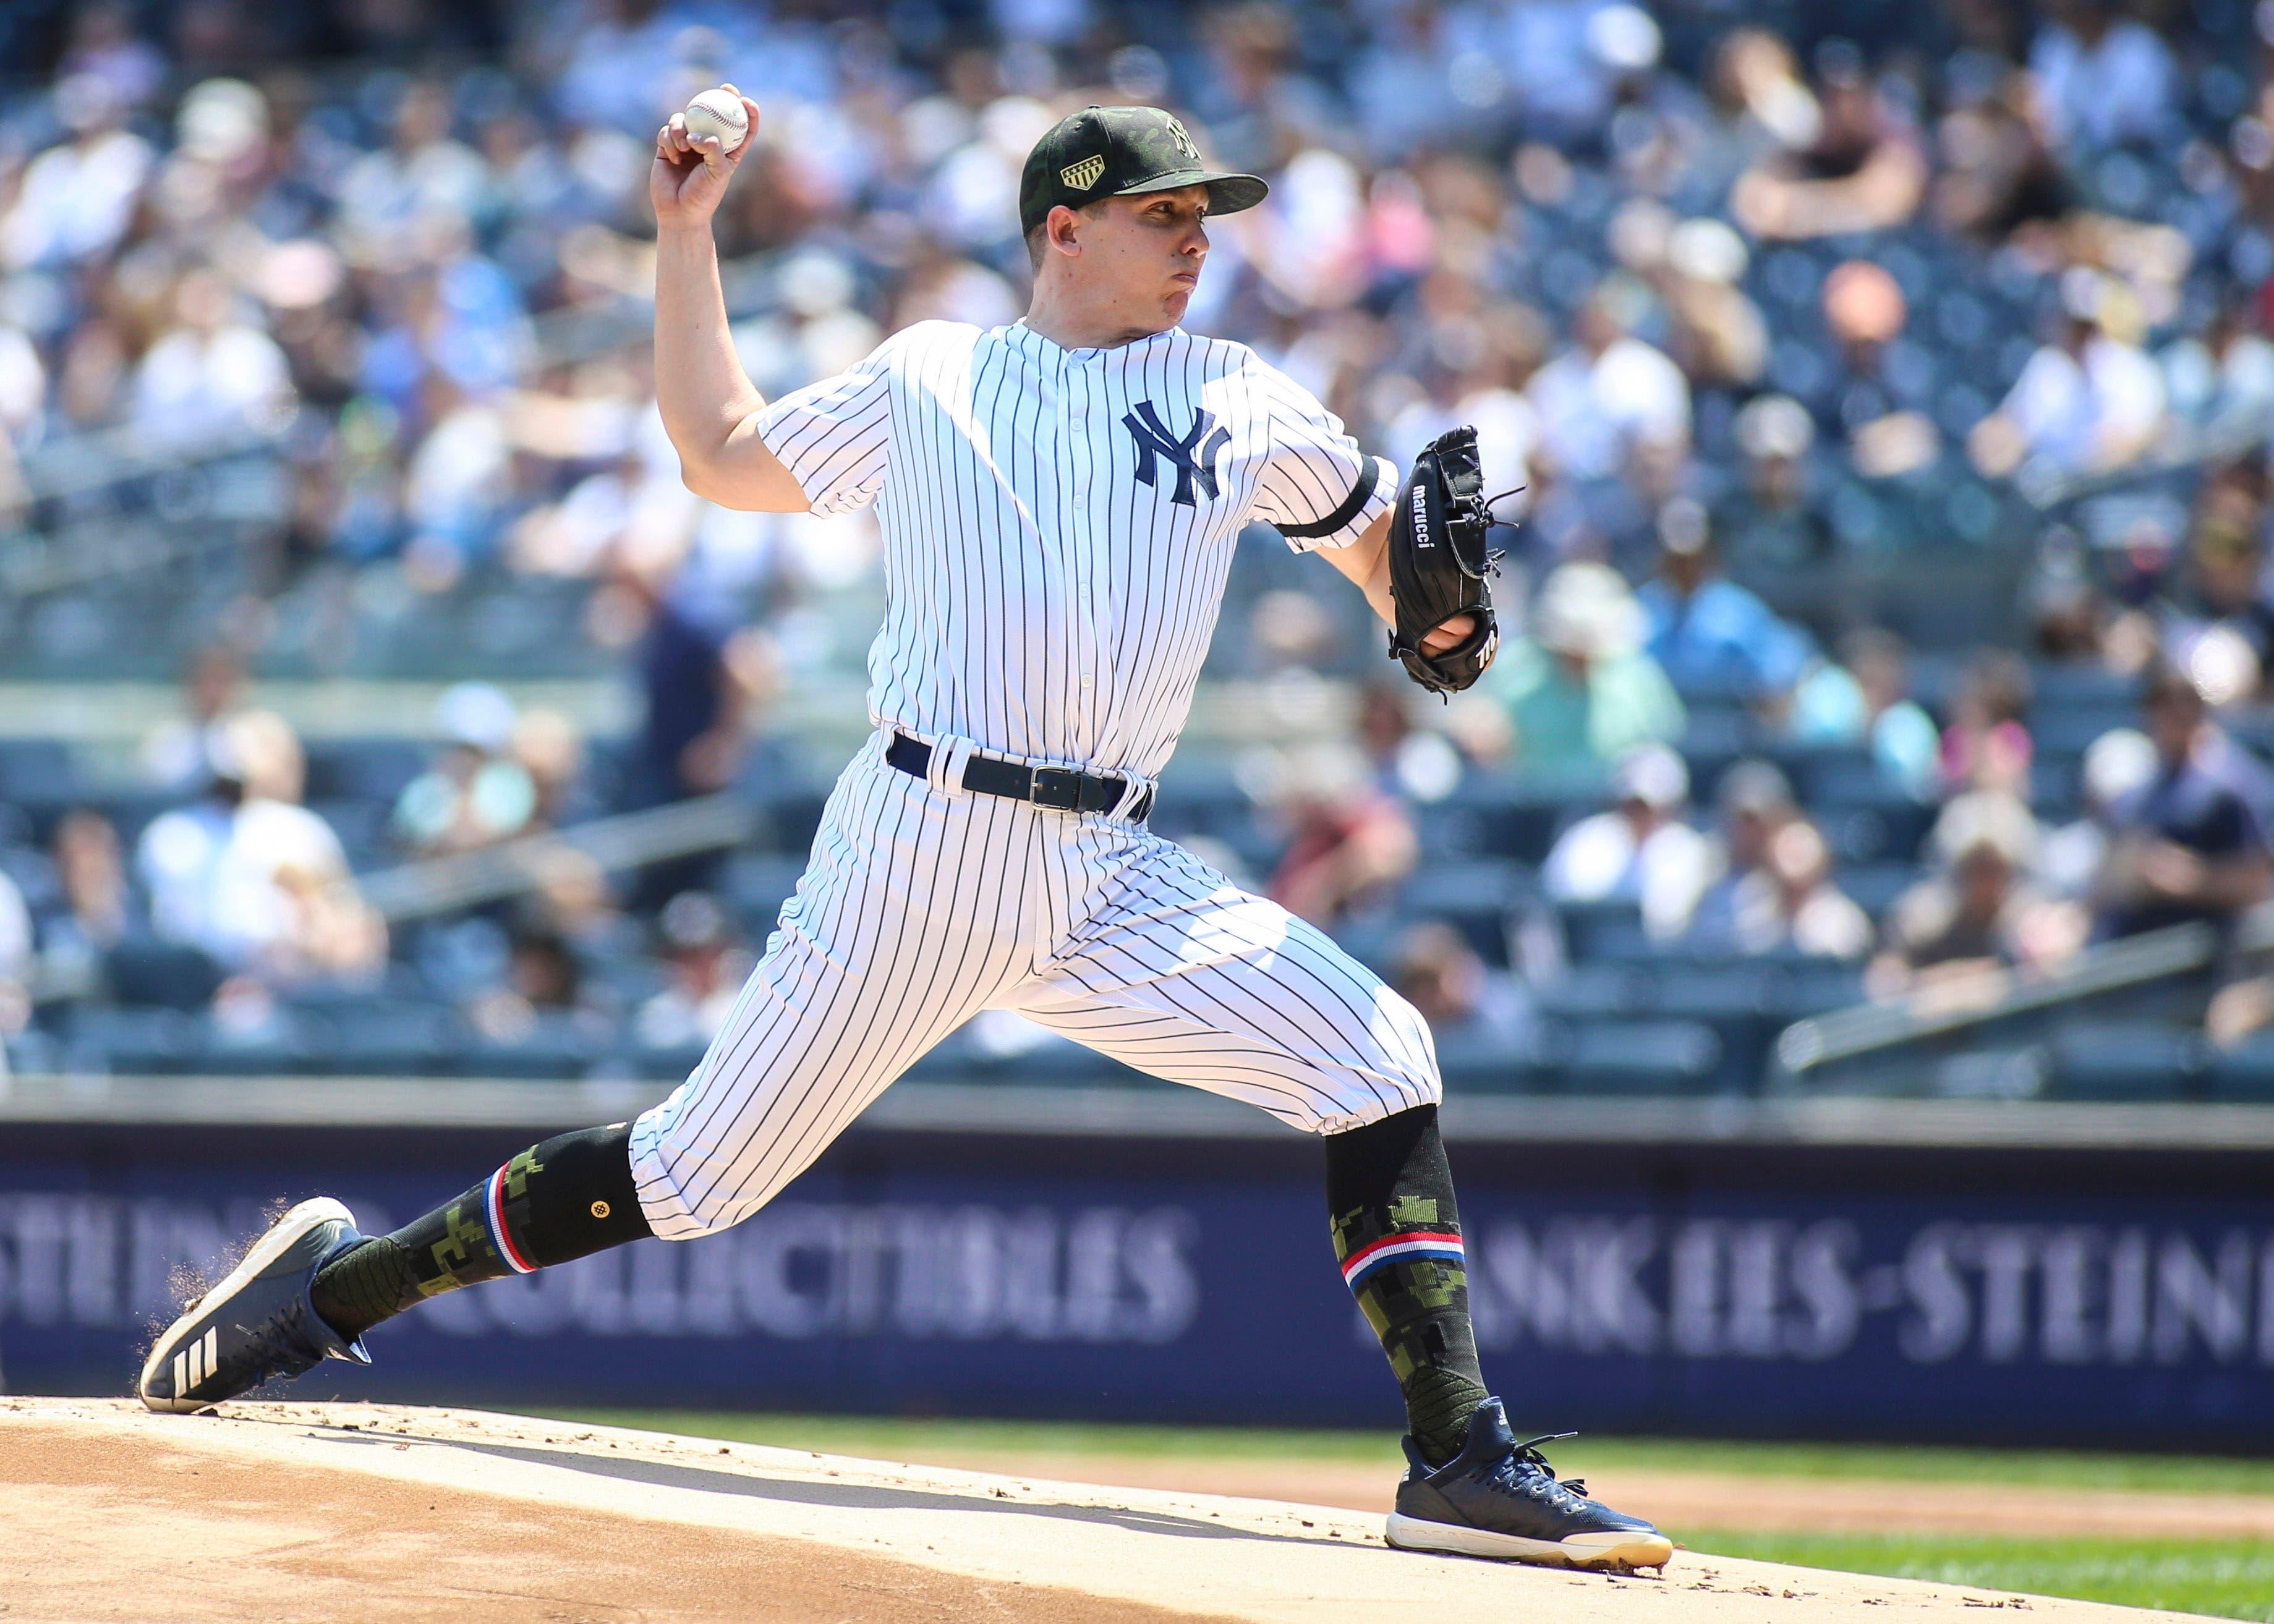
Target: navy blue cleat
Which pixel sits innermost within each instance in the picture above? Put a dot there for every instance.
(1499, 1498)
(258, 1323)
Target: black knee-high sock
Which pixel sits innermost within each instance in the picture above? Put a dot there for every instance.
(1390, 1194)
(556, 1201)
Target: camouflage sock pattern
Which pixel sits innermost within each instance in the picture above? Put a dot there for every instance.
(562, 1200)
(1397, 1233)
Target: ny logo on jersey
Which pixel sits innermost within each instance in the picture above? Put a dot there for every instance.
(1195, 456)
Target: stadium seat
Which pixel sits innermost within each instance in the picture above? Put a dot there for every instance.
(134, 1042)
(1735, 1001)
(171, 974)
(1476, 896)
(1875, 886)
(755, 884)
(2244, 1074)
(394, 1037)
(37, 772)
(376, 770)
(1601, 932)
(1637, 1057)
(559, 1047)
(1474, 1063)
(2113, 1060)
(667, 1063)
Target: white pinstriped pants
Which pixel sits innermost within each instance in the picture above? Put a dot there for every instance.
(922, 907)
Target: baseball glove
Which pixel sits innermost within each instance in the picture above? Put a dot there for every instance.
(1438, 563)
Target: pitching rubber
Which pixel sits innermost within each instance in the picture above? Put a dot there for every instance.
(1609, 1551)
(266, 1251)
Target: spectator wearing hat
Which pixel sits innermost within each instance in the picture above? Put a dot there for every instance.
(1580, 691)
(707, 970)
(2193, 842)
(2224, 583)
(1979, 913)
(2090, 399)
(248, 875)
(2072, 858)
(1640, 850)
(1754, 802)
(1787, 903)
(1771, 522)
(475, 795)
(1708, 633)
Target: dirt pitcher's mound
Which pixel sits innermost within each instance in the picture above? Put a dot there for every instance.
(352, 1512)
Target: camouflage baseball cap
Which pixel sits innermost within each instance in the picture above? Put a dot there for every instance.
(1117, 151)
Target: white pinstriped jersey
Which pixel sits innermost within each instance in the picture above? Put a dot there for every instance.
(1059, 523)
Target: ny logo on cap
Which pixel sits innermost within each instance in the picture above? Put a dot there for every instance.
(1082, 176)
(1193, 467)
(1184, 142)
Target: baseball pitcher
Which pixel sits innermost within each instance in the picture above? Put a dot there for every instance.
(1059, 500)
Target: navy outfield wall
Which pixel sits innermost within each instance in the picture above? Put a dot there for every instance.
(1754, 1278)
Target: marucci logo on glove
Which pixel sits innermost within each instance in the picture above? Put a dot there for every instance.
(1417, 502)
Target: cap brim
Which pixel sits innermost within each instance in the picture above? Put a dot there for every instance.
(1228, 193)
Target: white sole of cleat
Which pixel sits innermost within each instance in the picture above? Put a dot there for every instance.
(1607, 1551)
(193, 1359)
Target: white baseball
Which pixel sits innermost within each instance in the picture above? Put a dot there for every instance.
(720, 113)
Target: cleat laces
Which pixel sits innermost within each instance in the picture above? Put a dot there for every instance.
(1523, 1469)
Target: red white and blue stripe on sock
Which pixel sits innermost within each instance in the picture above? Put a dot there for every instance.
(1410, 1246)
(500, 1237)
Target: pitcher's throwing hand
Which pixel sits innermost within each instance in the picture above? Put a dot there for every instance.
(690, 175)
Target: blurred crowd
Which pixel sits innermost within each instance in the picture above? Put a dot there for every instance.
(1756, 306)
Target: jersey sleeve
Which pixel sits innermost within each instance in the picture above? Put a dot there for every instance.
(834, 435)
(1317, 487)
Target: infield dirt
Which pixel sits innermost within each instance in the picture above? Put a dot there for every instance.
(353, 1513)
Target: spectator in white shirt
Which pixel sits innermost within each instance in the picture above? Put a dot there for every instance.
(2102, 79)
(707, 972)
(1790, 904)
(1640, 850)
(211, 373)
(76, 200)
(2092, 398)
(251, 876)
(1608, 395)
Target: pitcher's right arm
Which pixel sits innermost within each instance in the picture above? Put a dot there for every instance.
(710, 407)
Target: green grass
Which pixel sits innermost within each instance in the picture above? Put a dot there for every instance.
(2232, 1579)
(2226, 1578)
(899, 1439)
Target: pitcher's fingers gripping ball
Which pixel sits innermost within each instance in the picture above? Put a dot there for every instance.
(1439, 567)
(697, 154)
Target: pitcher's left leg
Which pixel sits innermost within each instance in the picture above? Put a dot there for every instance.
(1173, 969)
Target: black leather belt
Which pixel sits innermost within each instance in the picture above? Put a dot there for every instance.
(1059, 789)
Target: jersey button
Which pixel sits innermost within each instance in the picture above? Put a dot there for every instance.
(1087, 680)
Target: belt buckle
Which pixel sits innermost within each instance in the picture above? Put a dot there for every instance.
(1056, 788)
